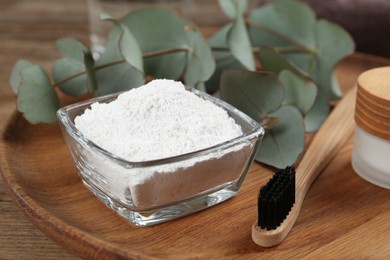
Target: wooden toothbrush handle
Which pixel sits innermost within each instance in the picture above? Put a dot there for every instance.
(332, 135)
(327, 142)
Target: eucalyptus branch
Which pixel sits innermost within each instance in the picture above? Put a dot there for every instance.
(162, 52)
(278, 49)
(145, 56)
(279, 35)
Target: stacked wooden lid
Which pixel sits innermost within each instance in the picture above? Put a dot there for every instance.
(372, 111)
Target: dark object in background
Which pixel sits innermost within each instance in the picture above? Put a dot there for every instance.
(368, 21)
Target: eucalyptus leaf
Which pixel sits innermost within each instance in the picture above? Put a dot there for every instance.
(224, 59)
(128, 46)
(130, 49)
(334, 44)
(254, 93)
(299, 93)
(15, 77)
(178, 42)
(219, 39)
(228, 62)
(318, 113)
(276, 63)
(283, 144)
(111, 54)
(228, 7)
(283, 23)
(69, 75)
(273, 61)
(119, 77)
(37, 99)
(232, 8)
(166, 31)
(200, 62)
(239, 43)
(71, 48)
(313, 46)
(113, 73)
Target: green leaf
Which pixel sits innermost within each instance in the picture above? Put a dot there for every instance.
(168, 32)
(282, 145)
(15, 76)
(69, 75)
(283, 23)
(232, 8)
(313, 46)
(119, 77)
(260, 96)
(71, 48)
(111, 53)
(254, 93)
(239, 43)
(89, 64)
(37, 99)
(200, 62)
(128, 46)
(219, 39)
(334, 44)
(113, 74)
(130, 49)
(299, 93)
(318, 113)
(165, 31)
(274, 62)
(224, 59)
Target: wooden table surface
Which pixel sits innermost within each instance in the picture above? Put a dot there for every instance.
(28, 29)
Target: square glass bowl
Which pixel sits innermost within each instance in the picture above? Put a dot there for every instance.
(146, 193)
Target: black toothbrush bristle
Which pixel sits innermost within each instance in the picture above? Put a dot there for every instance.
(276, 199)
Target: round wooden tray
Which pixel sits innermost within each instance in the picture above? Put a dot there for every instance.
(340, 209)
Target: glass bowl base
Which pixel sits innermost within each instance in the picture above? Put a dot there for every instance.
(160, 215)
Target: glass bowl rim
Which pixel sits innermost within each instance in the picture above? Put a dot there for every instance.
(256, 131)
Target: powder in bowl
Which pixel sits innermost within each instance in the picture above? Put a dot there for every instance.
(158, 120)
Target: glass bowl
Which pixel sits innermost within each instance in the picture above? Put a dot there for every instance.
(145, 193)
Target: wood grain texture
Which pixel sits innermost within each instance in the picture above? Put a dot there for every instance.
(373, 102)
(342, 216)
(29, 29)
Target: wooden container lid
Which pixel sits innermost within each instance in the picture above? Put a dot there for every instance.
(372, 112)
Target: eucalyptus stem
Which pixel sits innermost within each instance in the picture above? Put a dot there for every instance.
(162, 52)
(145, 56)
(258, 49)
(279, 35)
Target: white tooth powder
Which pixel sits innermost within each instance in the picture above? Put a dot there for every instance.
(158, 120)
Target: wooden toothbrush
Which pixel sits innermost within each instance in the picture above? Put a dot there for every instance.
(327, 142)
